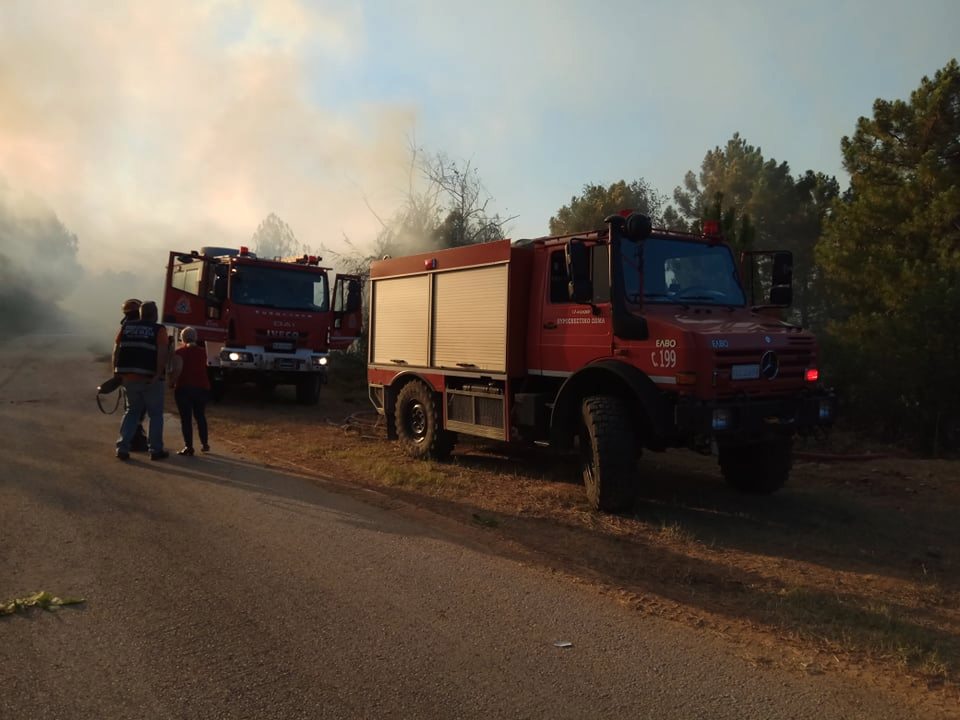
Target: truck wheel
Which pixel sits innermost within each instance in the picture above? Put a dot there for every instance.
(759, 469)
(420, 425)
(308, 389)
(607, 454)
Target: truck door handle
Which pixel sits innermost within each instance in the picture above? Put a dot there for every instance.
(550, 325)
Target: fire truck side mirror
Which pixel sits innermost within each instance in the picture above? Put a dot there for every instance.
(781, 295)
(220, 283)
(781, 289)
(783, 268)
(354, 296)
(578, 270)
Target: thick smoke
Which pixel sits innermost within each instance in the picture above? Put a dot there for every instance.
(38, 266)
(155, 127)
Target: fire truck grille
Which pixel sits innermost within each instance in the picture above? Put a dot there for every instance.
(792, 360)
(283, 343)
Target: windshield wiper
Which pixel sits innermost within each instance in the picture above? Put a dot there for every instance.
(262, 304)
(672, 299)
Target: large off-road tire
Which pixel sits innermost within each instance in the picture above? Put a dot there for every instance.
(760, 468)
(608, 457)
(419, 421)
(308, 389)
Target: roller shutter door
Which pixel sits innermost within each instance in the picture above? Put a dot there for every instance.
(470, 319)
(401, 312)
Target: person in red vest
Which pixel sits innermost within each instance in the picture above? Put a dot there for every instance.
(191, 389)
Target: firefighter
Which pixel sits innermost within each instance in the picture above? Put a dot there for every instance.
(131, 313)
(131, 310)
(140, 358)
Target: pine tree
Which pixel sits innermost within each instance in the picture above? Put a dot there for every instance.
(891, 256)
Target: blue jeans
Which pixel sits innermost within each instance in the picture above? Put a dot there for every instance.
(142, 396)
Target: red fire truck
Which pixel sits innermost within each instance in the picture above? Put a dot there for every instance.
(608, 341)
(266, 321)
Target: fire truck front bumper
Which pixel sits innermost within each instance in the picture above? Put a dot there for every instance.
(748, 418)
(260, 361)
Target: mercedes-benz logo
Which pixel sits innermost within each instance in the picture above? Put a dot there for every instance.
(769, 365)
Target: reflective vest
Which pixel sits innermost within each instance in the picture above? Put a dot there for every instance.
(137, 348)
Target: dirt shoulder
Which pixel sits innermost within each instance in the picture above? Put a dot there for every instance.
(852, 568)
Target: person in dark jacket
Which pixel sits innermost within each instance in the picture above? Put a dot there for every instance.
(131, 313)
(140, 359)
(191, 389)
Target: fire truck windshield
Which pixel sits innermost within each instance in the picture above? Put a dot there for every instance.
(681, 272)
(293, 288)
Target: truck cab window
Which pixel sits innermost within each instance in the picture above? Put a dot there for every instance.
(186, 277)
(600, 269)
(217, 283)
(680, 271)
(320, 294)
(559, 280)
(283, 289)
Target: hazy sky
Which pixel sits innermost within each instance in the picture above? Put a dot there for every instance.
(152, 125)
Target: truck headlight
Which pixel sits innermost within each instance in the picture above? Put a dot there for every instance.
(319, 361)
(234, 356)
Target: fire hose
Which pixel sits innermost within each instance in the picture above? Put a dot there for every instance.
(107, 387)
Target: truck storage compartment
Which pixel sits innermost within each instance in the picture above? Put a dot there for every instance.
(470, 319)
(477, 409)
(401, 321)
(455, 320)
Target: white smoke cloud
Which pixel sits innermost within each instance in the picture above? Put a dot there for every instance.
(38, 264)
(154, 126)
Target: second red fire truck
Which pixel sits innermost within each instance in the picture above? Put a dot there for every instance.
(267, 321)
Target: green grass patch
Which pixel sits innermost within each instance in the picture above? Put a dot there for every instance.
(419, 476)
(391, 471)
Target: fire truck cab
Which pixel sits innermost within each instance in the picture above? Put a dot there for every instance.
(268, 321)
(610, 341)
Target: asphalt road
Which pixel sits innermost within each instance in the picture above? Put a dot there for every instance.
(216, 588)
